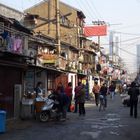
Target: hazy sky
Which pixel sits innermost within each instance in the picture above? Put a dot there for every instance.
(124, 13)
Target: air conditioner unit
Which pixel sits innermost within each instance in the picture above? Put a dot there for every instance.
(31, 53)
(28, 52)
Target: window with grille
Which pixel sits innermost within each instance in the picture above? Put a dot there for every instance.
(50, 82)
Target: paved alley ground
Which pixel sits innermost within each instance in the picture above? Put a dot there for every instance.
(112, 124)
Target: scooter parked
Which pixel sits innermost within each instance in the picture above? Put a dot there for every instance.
(50, 110)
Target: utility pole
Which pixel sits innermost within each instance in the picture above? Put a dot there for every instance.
(116, 49)
(111, 45)
(58, 28)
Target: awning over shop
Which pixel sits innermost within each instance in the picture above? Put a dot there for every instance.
(13, 64)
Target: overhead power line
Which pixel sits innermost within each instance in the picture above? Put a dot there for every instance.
(90, 15)
(129, 26)
(125, 33)
(90, 9)
(94, 7)
(127, 40)
(128, 52)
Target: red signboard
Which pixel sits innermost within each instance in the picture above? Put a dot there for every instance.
(100, 30)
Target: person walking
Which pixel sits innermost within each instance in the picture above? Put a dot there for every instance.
(133, 92)
(63, 99)
(81, 100)
(77, 92)
(68, 91)
(103, 92)
(96, 90)
(112, 90)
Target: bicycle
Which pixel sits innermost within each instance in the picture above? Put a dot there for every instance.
(102, 103)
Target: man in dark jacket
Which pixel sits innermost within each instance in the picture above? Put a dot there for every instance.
(81, 100)
(103, 91)
(63, 100)
(133, 92)
(112, 88)
(77, 92)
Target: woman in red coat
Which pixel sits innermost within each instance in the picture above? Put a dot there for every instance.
(68, 92)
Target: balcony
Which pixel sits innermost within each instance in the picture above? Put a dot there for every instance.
(46, 59)
(71, 66)
(61, 63)
(51, 60)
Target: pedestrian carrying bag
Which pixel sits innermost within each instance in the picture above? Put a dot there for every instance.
(72, 108)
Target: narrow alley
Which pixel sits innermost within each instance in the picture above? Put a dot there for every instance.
(112, 124)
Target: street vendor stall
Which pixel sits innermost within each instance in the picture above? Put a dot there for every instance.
(27, 106)
(31, 106)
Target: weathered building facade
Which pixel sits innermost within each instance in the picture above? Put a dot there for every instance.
(29, 57)
(13, 64)
(10, 12)
(71, 26)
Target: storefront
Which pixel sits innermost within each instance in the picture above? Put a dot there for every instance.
(11, 81)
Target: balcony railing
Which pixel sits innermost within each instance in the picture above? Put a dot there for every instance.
(46, 59)
(52, 60)
(61, 63)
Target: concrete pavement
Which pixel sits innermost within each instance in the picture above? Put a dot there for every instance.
(112, 124)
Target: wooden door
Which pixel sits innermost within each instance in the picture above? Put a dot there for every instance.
(9, 76)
